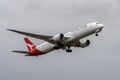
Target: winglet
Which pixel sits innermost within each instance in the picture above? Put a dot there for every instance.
(9, 29)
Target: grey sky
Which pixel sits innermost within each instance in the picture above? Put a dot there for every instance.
(99, 61)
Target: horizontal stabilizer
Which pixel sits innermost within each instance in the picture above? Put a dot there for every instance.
(22, 52)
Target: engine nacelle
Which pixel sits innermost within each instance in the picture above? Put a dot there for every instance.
(84, 43)
(81, 44)
(58, 37)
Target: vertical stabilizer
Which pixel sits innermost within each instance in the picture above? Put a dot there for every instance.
(29, 45)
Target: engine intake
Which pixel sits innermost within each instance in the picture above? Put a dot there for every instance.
(85, 43)
(58, 37)
(82, 44)
(61, 36)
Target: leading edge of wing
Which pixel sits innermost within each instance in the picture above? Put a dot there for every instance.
(37, 36)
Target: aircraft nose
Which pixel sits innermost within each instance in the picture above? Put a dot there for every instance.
(101, 25)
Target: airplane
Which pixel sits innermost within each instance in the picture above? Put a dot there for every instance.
(59, 41)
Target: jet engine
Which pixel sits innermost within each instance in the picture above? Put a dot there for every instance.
(58, 37)
(82, 44)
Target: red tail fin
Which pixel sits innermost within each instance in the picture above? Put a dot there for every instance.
(30, 45)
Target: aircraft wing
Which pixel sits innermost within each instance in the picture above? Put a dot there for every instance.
(37, 36)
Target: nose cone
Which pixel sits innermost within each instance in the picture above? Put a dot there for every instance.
(102, 25)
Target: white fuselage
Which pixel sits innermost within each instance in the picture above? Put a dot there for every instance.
(87, 30)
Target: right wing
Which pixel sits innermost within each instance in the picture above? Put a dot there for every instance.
(37, 36)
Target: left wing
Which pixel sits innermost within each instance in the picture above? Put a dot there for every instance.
(37, 36)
